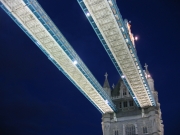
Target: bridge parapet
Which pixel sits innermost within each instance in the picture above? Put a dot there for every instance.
(32, 19)
(107, 22)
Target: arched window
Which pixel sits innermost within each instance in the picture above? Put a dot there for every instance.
(131, 103)
(124, 92)
(145, 130)
(116, 132)
(125, 104)
(120, 105)
(130, 129)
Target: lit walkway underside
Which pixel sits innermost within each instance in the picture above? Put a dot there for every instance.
(31, 18)
(107, 22)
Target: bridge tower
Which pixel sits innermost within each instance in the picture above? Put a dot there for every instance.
(130, 119)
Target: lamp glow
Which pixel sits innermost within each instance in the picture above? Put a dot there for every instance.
(106, 101)
(88, 14)
(75, 62)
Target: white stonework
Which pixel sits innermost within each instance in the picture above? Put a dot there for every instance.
(131, 120)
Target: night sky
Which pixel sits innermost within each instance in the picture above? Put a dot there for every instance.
(37, 99)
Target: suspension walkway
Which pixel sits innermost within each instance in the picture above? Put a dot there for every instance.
(115, 36)
(33, 20)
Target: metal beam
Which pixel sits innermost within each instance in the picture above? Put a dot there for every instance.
(42, 31)
(108, 24)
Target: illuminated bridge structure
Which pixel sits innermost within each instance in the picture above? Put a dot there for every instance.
(113, 32)
(32, 19)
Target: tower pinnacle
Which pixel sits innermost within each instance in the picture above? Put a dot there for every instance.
(146, 66)
(147, 71)
(113, 86)
(106, 75)
(106, 83)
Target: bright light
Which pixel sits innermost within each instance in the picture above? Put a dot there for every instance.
(106, 101)
(88, 14)
(149, 75)
(136, 38)
(75, 62)
(122, 28)
(122, 76)
(38, 43)
(110, 2)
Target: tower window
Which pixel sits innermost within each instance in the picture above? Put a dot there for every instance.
(130, 129)
(145, 130)
(116, 132)
(124, 92)
(120, 105)
(125, 104)
(131, 103)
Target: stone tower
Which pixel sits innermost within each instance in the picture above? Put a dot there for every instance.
(131, 120)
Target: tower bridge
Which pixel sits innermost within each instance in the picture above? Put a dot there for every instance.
(118, 41)
(114, 34)
(33, 20)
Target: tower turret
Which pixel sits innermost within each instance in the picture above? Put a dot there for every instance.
(149, 78)
(130, 119)
(106, 85)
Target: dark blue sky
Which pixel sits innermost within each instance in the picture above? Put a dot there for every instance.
(37, 99)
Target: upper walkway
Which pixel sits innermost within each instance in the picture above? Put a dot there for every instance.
(117, 40)
(32, 19)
